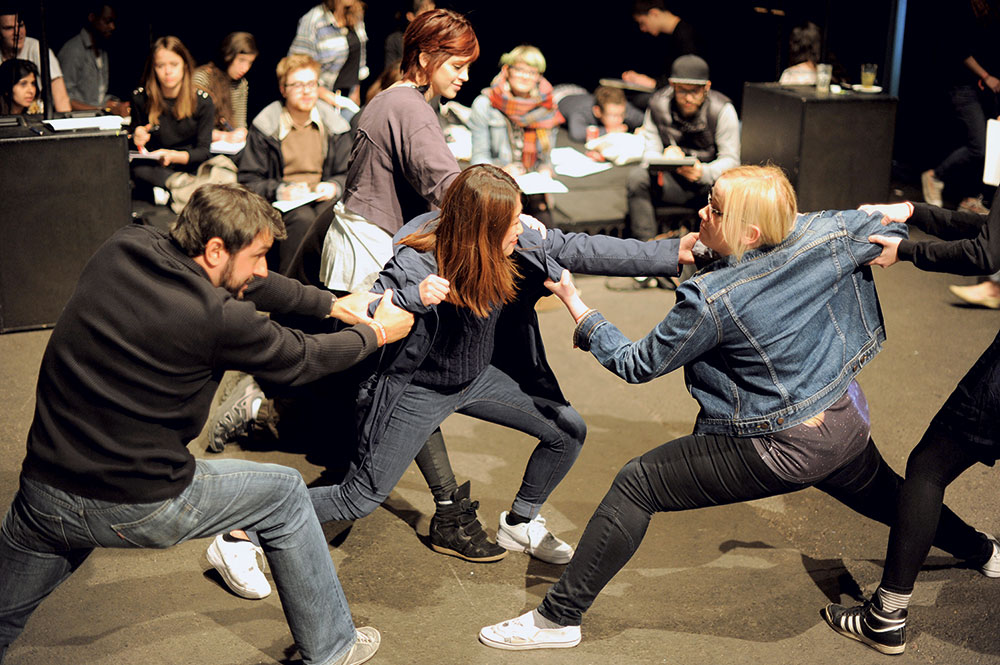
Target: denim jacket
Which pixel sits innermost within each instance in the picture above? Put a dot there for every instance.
(518, 352)
(768, 341)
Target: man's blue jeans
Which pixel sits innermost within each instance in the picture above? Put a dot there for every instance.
(492, 396)
(48, 533)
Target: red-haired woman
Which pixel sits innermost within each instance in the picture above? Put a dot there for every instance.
(171, 119)
(471, 275)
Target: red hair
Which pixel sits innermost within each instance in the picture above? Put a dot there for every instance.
(476, 214)
(441, 34)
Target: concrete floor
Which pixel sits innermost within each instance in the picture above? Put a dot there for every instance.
(735, 584)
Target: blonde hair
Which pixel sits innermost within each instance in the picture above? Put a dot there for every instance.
(529, 55)
(293, 63)
(757, 195)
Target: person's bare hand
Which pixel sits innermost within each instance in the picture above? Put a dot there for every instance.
(891, 212)
(691, 173)
(396, 320)
(433, 290)
(293, 191)
(532, 223)
(326, 190)
(890, 248)
(673, 151)
(685, 253)
(564, 288)
(141, 136)
(353, 308)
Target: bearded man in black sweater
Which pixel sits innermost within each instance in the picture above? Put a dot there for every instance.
(127, 381)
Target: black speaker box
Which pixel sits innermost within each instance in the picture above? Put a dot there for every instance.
(835, 148)
(61, 196)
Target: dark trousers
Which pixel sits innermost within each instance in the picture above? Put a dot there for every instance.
(963, 167)
(645, 191)
(708, 470)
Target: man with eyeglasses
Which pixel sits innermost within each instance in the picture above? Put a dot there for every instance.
(684, 119)
(297, 150)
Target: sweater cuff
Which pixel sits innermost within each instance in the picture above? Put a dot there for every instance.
(906, 250)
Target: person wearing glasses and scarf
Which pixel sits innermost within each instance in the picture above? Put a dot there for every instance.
(514, 121)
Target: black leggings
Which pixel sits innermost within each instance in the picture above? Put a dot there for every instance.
(932, 466)
(705, 470)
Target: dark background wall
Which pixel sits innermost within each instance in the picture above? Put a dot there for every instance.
(743, 40)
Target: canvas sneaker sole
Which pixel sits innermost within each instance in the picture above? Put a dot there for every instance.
(215, 558)
(483, 559)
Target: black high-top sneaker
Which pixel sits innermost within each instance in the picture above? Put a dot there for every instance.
(456, 531)
(870, 624)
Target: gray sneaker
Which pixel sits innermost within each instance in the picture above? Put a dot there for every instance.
(235, 414)
(932, 188)
(365, 646)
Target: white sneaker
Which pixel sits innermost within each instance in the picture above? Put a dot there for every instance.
(161, 197)
(532, 537)
(365, 645)
(932, 188)
(523, 633)
(237, 563)
(992, 566)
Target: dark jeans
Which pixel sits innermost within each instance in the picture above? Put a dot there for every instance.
(962, 433)
(963, 168)
(492, 396)
(645, 192)
(298, 223)
(706, 470)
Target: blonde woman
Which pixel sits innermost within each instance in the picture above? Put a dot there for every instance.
(771, 336)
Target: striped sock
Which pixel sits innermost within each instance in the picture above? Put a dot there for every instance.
(891, 601)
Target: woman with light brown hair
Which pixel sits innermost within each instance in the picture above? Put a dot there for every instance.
(224, 79)
(171, 120)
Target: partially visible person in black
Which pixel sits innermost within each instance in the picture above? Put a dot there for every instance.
(655, 19)
(962, 433)
(406, 11)
(171, 119)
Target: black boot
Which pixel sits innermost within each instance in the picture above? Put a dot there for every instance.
(456, 531)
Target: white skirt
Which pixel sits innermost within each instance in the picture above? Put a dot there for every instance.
(354, 252)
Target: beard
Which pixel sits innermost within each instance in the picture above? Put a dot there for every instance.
(228, 283)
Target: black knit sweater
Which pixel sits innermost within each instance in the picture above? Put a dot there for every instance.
(129, 373)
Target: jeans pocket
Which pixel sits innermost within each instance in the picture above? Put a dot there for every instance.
(34, 524)
(163, 525)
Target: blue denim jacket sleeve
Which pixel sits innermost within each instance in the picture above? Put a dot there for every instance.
(859, 225)
(689, 330)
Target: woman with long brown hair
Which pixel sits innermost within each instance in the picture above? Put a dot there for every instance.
(471, 274)
(171, 119)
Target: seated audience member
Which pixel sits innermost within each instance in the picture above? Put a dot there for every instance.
(84, 61)
(127, 381)
(803, 54)
(407, 11)
(171, 119)
(687, 118)
(15, 43)
(296, 148)
(333, 34)
(606, 109)
(513, 122)
(678, 38)
(19, 87)
(225, 82)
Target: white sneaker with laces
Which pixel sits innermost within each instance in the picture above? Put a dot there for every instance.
(992, 566)
(524, 633)
(532, 537)
(237, 562)
(365, 645)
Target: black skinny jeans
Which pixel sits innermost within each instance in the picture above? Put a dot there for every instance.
(707, 470)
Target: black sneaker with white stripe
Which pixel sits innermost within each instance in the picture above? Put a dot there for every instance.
(881, 630)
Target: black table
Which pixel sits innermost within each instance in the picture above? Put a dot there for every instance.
(835, 148)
